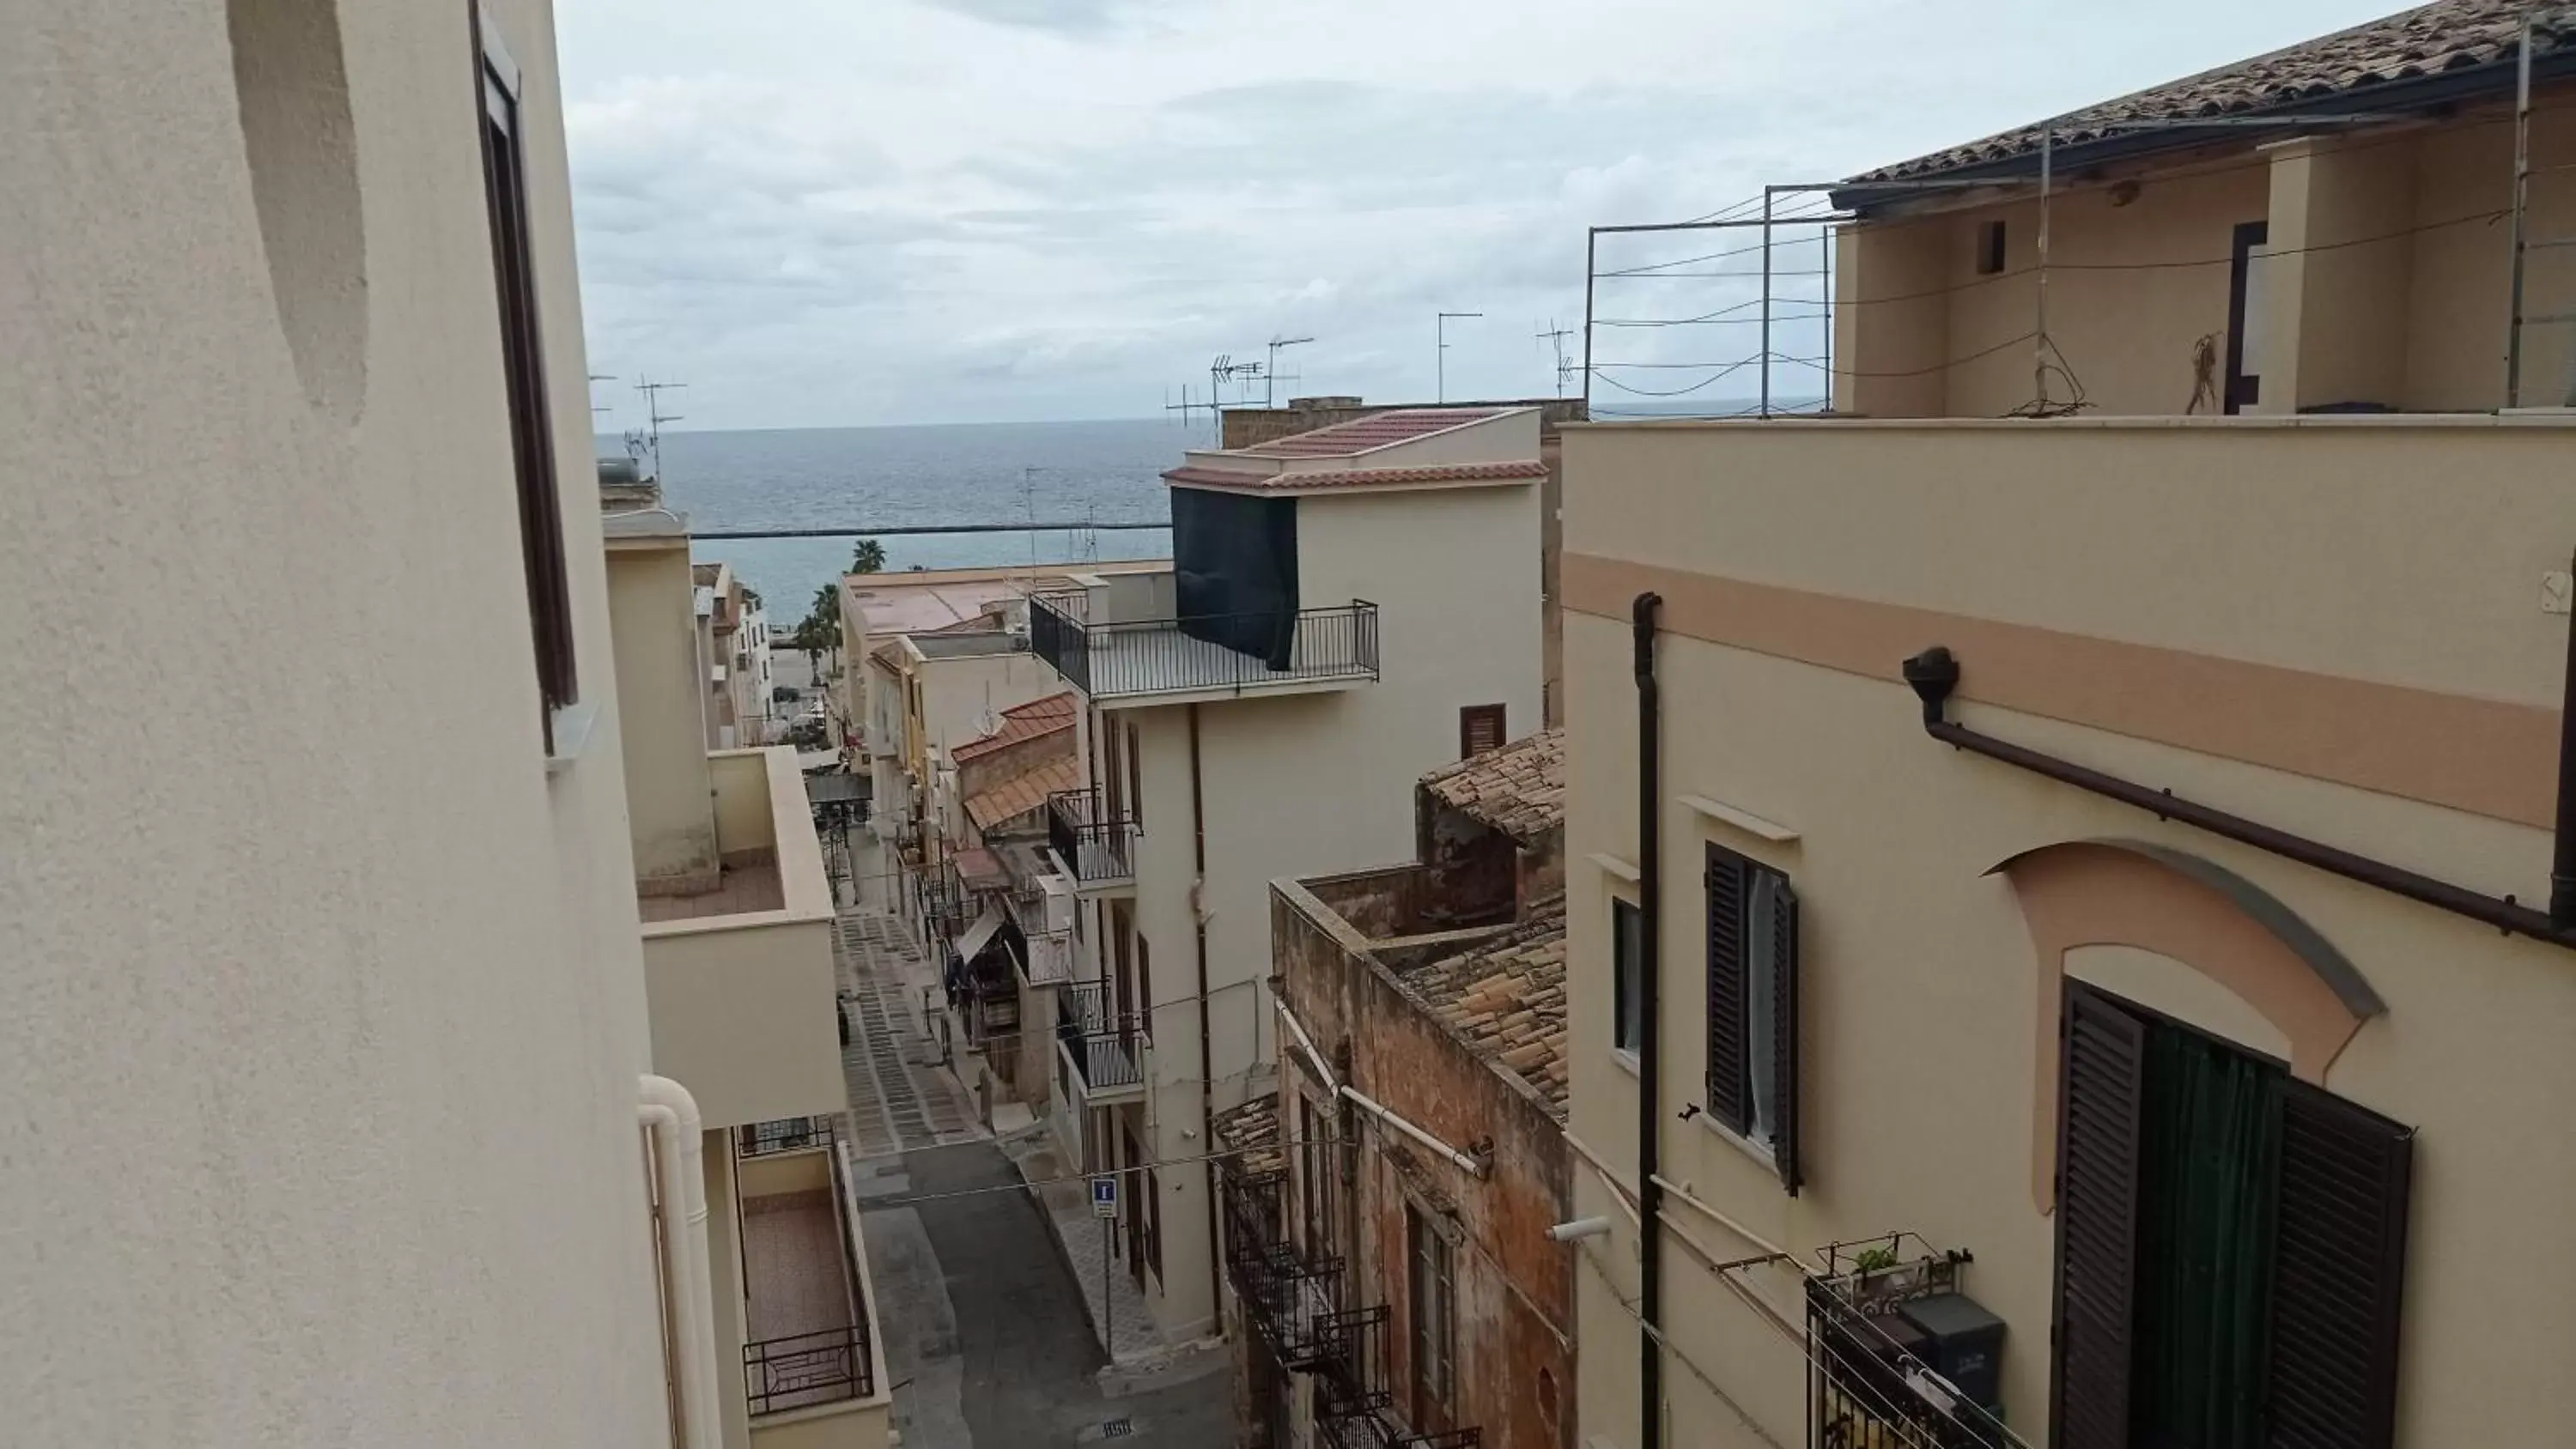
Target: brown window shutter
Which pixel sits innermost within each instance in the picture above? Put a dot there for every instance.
(1784, 1037)
(1480, 728)
(1135, 775)
(2338, 1270)
(2103, 1066)
(1729, 992)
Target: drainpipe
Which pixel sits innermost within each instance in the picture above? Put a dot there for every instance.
(678, 1152)
(2562, 865)
(1207, 1059)
(1650, 901)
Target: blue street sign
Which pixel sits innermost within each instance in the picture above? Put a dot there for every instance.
(1104, 1197)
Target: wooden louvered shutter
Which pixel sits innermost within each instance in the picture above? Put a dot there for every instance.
(1785, 1033)
(2102, 1052)
(1729, 993)
(2338, 1270)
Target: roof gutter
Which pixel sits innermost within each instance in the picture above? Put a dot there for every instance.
(1934, 673)
(2493, 79)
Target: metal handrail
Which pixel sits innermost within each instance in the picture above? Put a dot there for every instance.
(1206, 651)
(787, 1134)
(824, 1367)
(1095, 843)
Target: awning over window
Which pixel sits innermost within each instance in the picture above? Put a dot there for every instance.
(980, 934)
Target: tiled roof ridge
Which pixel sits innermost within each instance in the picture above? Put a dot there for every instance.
(2424, 41)
(1356, 477)
(1373, 432)
(1517, 788)
(1511, 1016)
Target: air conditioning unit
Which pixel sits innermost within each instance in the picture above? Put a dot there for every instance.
(1059, 903)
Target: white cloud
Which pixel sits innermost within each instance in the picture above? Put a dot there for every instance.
(823, 213)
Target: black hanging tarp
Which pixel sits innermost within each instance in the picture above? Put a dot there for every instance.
(1234, 566)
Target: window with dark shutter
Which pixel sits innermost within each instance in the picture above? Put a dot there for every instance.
(1627, 976)
(1729, 1101)
(1782, 943)
(532, 449)
(1753, 1033)
(2338, 1270)
(1480, 728)
(2102, 1086)
(1135, 774)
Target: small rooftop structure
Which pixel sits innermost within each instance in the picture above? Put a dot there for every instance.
(918, 601)
(1405, 448)
(1518, 789)
(1024, 793)
(1020, 722)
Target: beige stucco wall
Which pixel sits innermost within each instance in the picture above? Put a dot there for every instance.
(1309, 784)
(323, 1008)
(2326, 548)
(742, 1005)
(660, 699)
(962, 699)
(2386, 279)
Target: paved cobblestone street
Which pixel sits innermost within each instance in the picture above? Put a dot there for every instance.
(897, 1102)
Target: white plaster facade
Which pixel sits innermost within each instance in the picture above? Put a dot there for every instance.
(324, 1004)
(1313, 779)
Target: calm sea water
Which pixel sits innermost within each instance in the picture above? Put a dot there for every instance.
(938, 474)
(1098, 472)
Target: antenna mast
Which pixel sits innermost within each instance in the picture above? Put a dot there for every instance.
(655, 417)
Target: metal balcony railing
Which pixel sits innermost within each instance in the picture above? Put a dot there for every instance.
(826, 1366)
(1097, 844)
(1204, 652)
(1103, 1059)
(1292, 1305)
(788, 1134)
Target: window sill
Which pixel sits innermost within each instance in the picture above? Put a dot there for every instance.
(1624, 1060)
(1613, 866)
(574, 724)
(1744, 820)
(1731, 1138)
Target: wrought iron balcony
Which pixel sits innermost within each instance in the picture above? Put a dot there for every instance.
(1096, 844)
(1099, 1048)
(1213, 653)
(1292, 1305)
(788, 1134)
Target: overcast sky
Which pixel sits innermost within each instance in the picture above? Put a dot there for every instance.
(824, 212)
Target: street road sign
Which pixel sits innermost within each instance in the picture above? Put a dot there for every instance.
(1104, 1197)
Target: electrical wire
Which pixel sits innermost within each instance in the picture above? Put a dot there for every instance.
(1673, 1351)
(870, 1205)
(2165, 177)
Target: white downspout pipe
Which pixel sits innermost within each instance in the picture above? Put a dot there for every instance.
(672, 1114)
(1464, 1162)
(1308, 1042)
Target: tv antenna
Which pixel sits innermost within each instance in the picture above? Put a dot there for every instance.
(1441, 387)
(1270, 377)
(655, 417)
(1557, 335)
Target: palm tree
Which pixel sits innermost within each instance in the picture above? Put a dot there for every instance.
(821, 631)
(868, 558)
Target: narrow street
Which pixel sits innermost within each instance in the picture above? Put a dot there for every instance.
(987, 1340)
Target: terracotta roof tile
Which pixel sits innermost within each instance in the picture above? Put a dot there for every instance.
(1251, 1133)
(1024, 793)
(1357, 477)
(1378, 430)
(1518, 789)
(1021, 722)
(2428, 40)
(1506, 999)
